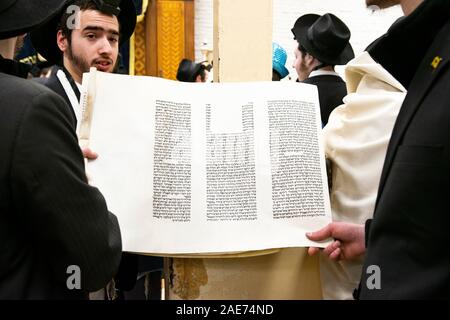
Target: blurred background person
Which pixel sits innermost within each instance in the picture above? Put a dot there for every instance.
(279, 57)
(323, 43)
(189, 71)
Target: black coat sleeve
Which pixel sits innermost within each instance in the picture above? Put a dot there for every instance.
(367, 231)
(70, 222)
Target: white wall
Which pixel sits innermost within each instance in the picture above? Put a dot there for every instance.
(364, 24)
(203, 25)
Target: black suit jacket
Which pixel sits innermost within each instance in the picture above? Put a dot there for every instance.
(50, 218)
(409, 235)
(55, 85)
(332, 90)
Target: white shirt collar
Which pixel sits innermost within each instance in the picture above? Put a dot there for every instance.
(316, 73)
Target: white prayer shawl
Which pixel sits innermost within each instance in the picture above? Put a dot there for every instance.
(356, 140)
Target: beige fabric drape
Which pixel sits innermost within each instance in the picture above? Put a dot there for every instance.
(356, 140)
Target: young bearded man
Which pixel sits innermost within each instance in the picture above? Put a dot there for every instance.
(85, 34)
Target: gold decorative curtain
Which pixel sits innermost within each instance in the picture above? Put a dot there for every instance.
(164, 35)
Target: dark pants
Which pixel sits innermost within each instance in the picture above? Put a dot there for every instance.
(139, 277)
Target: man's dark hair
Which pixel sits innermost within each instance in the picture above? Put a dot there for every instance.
(83, 5)
(304, 52)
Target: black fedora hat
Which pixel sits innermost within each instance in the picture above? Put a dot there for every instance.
(324, 37)
(44, 38)
(188, 70)
(20, 16)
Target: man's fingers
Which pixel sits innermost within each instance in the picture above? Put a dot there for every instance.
(332, 247)
(336, 254)
(89, 154)
(313, 250)
(321, 234)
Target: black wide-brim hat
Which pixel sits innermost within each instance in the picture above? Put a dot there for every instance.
(326, 38)
(20, 16)
(44, 38)
(188, 70)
